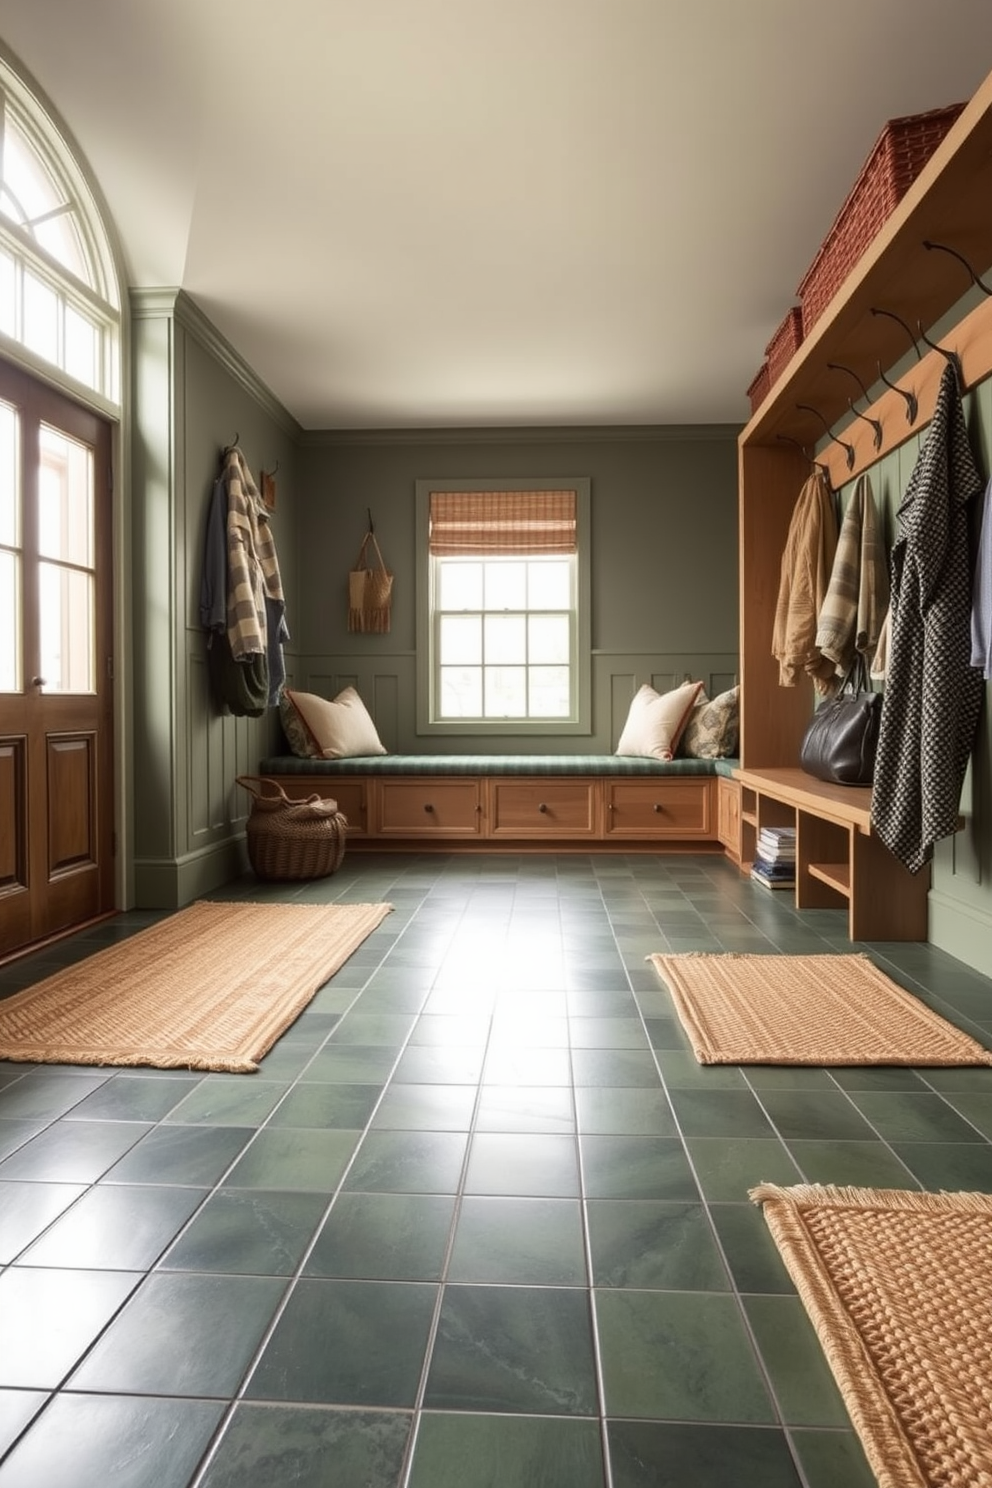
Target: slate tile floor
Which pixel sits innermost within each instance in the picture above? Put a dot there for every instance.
(480, 1220)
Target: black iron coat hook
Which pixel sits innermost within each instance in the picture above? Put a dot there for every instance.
(875, 424)
(910, 398)
(847, 448)
(813, 464)
(943, 248)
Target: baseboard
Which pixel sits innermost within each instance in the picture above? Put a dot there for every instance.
(169, 883)
(962, 930)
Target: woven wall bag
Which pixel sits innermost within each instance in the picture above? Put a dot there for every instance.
(292, 837)
(370, 589)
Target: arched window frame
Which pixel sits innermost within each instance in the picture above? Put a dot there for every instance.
(96, 298)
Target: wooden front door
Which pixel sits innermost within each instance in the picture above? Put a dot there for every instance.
(56, 666)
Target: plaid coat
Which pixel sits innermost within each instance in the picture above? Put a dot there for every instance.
(933, 695)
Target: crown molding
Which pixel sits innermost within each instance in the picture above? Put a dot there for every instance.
(525, 434)
(170, 302)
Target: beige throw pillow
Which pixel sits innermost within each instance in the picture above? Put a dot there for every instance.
(656, 720)
(712, 727)
(341, 729)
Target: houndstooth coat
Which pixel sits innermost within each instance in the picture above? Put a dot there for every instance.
(932, 694)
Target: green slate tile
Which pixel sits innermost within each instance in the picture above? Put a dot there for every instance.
(283, 1444)
(408, 1162)
(948, 1165)
(661, 1246)
(525, 1108)
(796, 1364)
(678, 1356)
(113, 1439)
(26, 1209)
(383, 1237)
(48, 1093)
(830, 1458)
(289, 1158)
(462, 1450)
(719, 1113)
(614, 1067)
(426, 1108)
(372, 1030)
(681, 1070)
(72, 1151)
(132, 1098)
(858, 1164)
(528, 1242)
(116, 1227)
(14, 1134)
(17, 1409)
(51, 1317)
(524, 1350)
(250, 1232)
(635, 1168)
(510, 1065)
(380, 1331)
(624, 1111)
(649, 1454)
(346, 1064)
(815, 1114)
(752, 1255)
(975, 1107)
(346, 1107)
(904, 1117)
(191, 1155)
(229, 1100)
(523, 1165)
(182, 1335)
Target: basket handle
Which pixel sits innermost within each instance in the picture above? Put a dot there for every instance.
(256, 784)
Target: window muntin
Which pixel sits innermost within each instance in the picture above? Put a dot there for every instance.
(503, 637)
(59, 295)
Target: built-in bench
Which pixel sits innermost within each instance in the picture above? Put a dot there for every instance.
(516, 801)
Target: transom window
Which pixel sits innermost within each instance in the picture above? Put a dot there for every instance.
(503, 617)
(59, 297)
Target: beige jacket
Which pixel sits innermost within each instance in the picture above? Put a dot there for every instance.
(806, 566)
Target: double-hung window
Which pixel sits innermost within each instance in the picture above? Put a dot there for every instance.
(504, 616)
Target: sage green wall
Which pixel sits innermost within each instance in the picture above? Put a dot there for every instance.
(191, 397)
(663, 560)
(960, 904)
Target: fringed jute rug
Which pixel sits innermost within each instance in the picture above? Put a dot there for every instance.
(211, 987)
(899, 1288)
(767, 1009)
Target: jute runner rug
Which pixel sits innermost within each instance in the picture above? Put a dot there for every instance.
(899, 1288)
(211, 987)
(742, 1009)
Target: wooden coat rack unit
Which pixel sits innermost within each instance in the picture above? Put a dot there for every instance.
(839, 860)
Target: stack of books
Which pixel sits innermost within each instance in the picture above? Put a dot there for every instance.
(775, 858)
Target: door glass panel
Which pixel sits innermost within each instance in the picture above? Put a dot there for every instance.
(9, 482)
(80, 347)
(66, 628)
(65, 498)
(8, 291)
(10, 615)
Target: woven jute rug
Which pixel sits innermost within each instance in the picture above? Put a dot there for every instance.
(899, 1288)
(742, 1009)
(211, 987)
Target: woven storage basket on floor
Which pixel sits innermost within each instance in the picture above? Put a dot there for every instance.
(292, 838)
(899, 154)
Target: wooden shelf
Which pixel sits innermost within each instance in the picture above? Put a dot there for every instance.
(837, 875)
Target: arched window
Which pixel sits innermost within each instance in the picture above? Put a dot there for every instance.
(59, 291)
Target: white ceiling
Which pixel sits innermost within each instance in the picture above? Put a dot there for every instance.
(489, 212)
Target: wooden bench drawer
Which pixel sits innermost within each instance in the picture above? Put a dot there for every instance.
(660, 808)
(426, 807)
(543, 808)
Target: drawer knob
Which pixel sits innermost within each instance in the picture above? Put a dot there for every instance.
(658, 807)
(428, 807)
(542, 807)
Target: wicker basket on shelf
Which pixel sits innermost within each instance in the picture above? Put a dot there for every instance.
(899, 154)
(759, 387)
(784, 344)
(291, 838)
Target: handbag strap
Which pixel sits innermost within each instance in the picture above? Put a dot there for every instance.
(362, 561)
(856, 678)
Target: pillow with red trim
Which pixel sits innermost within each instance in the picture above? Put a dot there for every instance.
(318, 729)
(656, 719)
